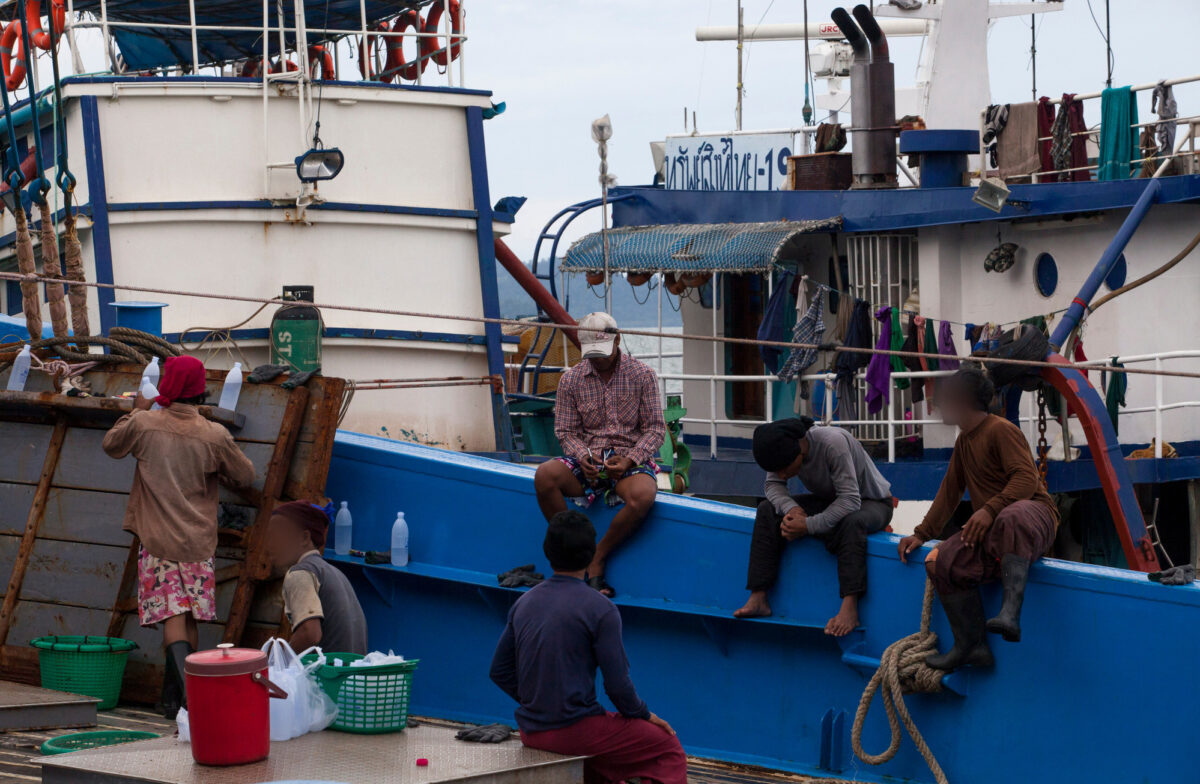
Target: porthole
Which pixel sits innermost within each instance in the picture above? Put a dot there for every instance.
(1045, 272)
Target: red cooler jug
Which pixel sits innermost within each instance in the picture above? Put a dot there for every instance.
(227, 702)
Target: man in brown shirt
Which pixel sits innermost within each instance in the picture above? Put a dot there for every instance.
(1013, 524)
(172, 509)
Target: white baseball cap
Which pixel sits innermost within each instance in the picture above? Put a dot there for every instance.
(595, 342)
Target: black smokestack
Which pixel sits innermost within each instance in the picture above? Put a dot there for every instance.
(879, 44)
(858, 42)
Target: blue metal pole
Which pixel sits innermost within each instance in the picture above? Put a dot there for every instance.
(1076, 311)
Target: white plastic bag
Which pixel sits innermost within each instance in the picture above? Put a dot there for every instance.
(307, 708)
(185, 729)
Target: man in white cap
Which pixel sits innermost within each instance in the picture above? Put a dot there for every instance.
(609, 421)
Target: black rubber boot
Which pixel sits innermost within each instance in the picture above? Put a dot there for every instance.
(964, 610)
(174, 694)
(1014, 571)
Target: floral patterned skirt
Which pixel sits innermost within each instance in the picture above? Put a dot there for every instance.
(169, 588)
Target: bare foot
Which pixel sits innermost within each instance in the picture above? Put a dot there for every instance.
(756, 606)
(846, 620)
(595, 578)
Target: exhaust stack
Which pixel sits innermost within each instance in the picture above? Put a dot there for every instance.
(872, 100)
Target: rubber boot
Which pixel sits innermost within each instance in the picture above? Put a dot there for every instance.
(174, 683)
(1014, 571)
(964, 610)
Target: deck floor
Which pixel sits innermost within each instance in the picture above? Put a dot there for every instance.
(19, 754)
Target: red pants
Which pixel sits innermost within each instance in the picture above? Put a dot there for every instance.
(619, 748)
(1024, 528)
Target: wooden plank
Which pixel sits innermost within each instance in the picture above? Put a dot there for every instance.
(71, 515)
(32, 522)
(24, 448)
(255, 567)
(74, 573)
(125, 590)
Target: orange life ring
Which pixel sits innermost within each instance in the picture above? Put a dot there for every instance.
(33, 17)
(319, 56)
(396, 64)
(288, 65)
(251, 69)
(431, 45)
(10, 48)
(367, 52)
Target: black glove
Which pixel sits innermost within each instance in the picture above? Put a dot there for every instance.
(264, 373)
(515, 570)
(1176, 575)
(520, 577)
(299, 379)
(488, 733)
(378, 557)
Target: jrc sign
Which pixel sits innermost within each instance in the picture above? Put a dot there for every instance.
(729, 162)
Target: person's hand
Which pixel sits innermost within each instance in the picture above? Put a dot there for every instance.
(141, 403)
(591, 469)
(976, 527)
(907, 545)
(657, 722)
(794, 525)
(618, 466)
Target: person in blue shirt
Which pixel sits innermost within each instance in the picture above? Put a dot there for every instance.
(557, 636)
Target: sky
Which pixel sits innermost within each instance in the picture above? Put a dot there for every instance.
(559, 65)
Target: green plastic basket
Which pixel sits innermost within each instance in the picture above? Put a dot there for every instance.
(93, 740)
(370, 700)
(93, 666)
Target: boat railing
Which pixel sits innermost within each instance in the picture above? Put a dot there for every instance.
(371, 41)
(1160, 163)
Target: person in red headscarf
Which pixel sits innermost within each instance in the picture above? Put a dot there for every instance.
(172, 510)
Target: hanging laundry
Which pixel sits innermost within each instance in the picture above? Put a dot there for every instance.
(879, 370)
(809, 329)
(848, 364)
(1068, 147)
(1078, 354)
(1162, 103)
(839, 273)
(831, 137)
(1118, 137)
(930, 348)
(1045, 128)
(949, 354)
(1017, 144)
(912, 342)
(844, 316)
(772, 327)
(994, 121)
(1114, 394)
(897, 335)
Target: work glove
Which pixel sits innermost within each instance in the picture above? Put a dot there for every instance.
(520, 577)
(487, 733)
(299, 379)
(264, 373)
(1176, 575)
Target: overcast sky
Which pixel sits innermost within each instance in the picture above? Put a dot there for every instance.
(559, 65)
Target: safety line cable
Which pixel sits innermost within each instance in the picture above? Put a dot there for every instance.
(613, 331)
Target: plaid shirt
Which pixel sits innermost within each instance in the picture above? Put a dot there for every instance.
(624, 414)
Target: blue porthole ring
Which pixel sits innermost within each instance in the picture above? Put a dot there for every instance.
(1116, 276)
(1045, 272)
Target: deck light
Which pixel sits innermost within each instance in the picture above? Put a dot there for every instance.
(320, 164)
(991, 193)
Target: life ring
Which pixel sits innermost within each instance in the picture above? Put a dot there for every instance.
(396, 63)
(695, 280)
(319, 56)
(251, 68)
(367, 54)
(288, 66)
(431, 45)
(33, 17)
(10, 48)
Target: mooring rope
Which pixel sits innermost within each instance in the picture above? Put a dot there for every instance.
(902, 670)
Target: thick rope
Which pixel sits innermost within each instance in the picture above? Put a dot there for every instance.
(76, 293)
(902, 669)
(51, 269)
(30, 301)
(616, 331)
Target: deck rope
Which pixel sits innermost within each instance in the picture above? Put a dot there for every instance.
(30, 301)
(51, 268)
(902, 669)
(76, 293)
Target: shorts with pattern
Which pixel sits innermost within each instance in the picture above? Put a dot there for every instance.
(169, 588)
(603, 485)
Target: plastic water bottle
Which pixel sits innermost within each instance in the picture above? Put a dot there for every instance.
(232, 388)
(151, 372)
(400, 541)
(20, 370)
(149, 391)
(343, 526)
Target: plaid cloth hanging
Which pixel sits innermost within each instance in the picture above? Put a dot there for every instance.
(810, 329)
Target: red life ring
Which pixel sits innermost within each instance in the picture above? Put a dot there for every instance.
(395, 48)
(318, 55)
(288, 65)
(33, 18)
(251, 69)
(367, 53)
(431, 45)
(10, 47)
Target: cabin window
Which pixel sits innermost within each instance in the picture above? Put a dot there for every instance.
(1045, 272)
(744, 303)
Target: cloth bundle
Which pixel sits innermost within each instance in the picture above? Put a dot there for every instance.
(486, 733)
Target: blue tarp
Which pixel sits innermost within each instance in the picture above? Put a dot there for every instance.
(706, 247)
(145, 48)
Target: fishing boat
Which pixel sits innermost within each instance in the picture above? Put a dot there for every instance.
(1100, 640)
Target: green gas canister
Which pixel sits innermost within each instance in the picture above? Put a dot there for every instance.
(296, 331)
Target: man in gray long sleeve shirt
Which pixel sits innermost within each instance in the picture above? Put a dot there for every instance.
(847, 500)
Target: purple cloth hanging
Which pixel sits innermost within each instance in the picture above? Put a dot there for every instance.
(879, 372)
(946, 348)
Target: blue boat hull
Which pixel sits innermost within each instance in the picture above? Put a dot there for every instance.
(1080, 699)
